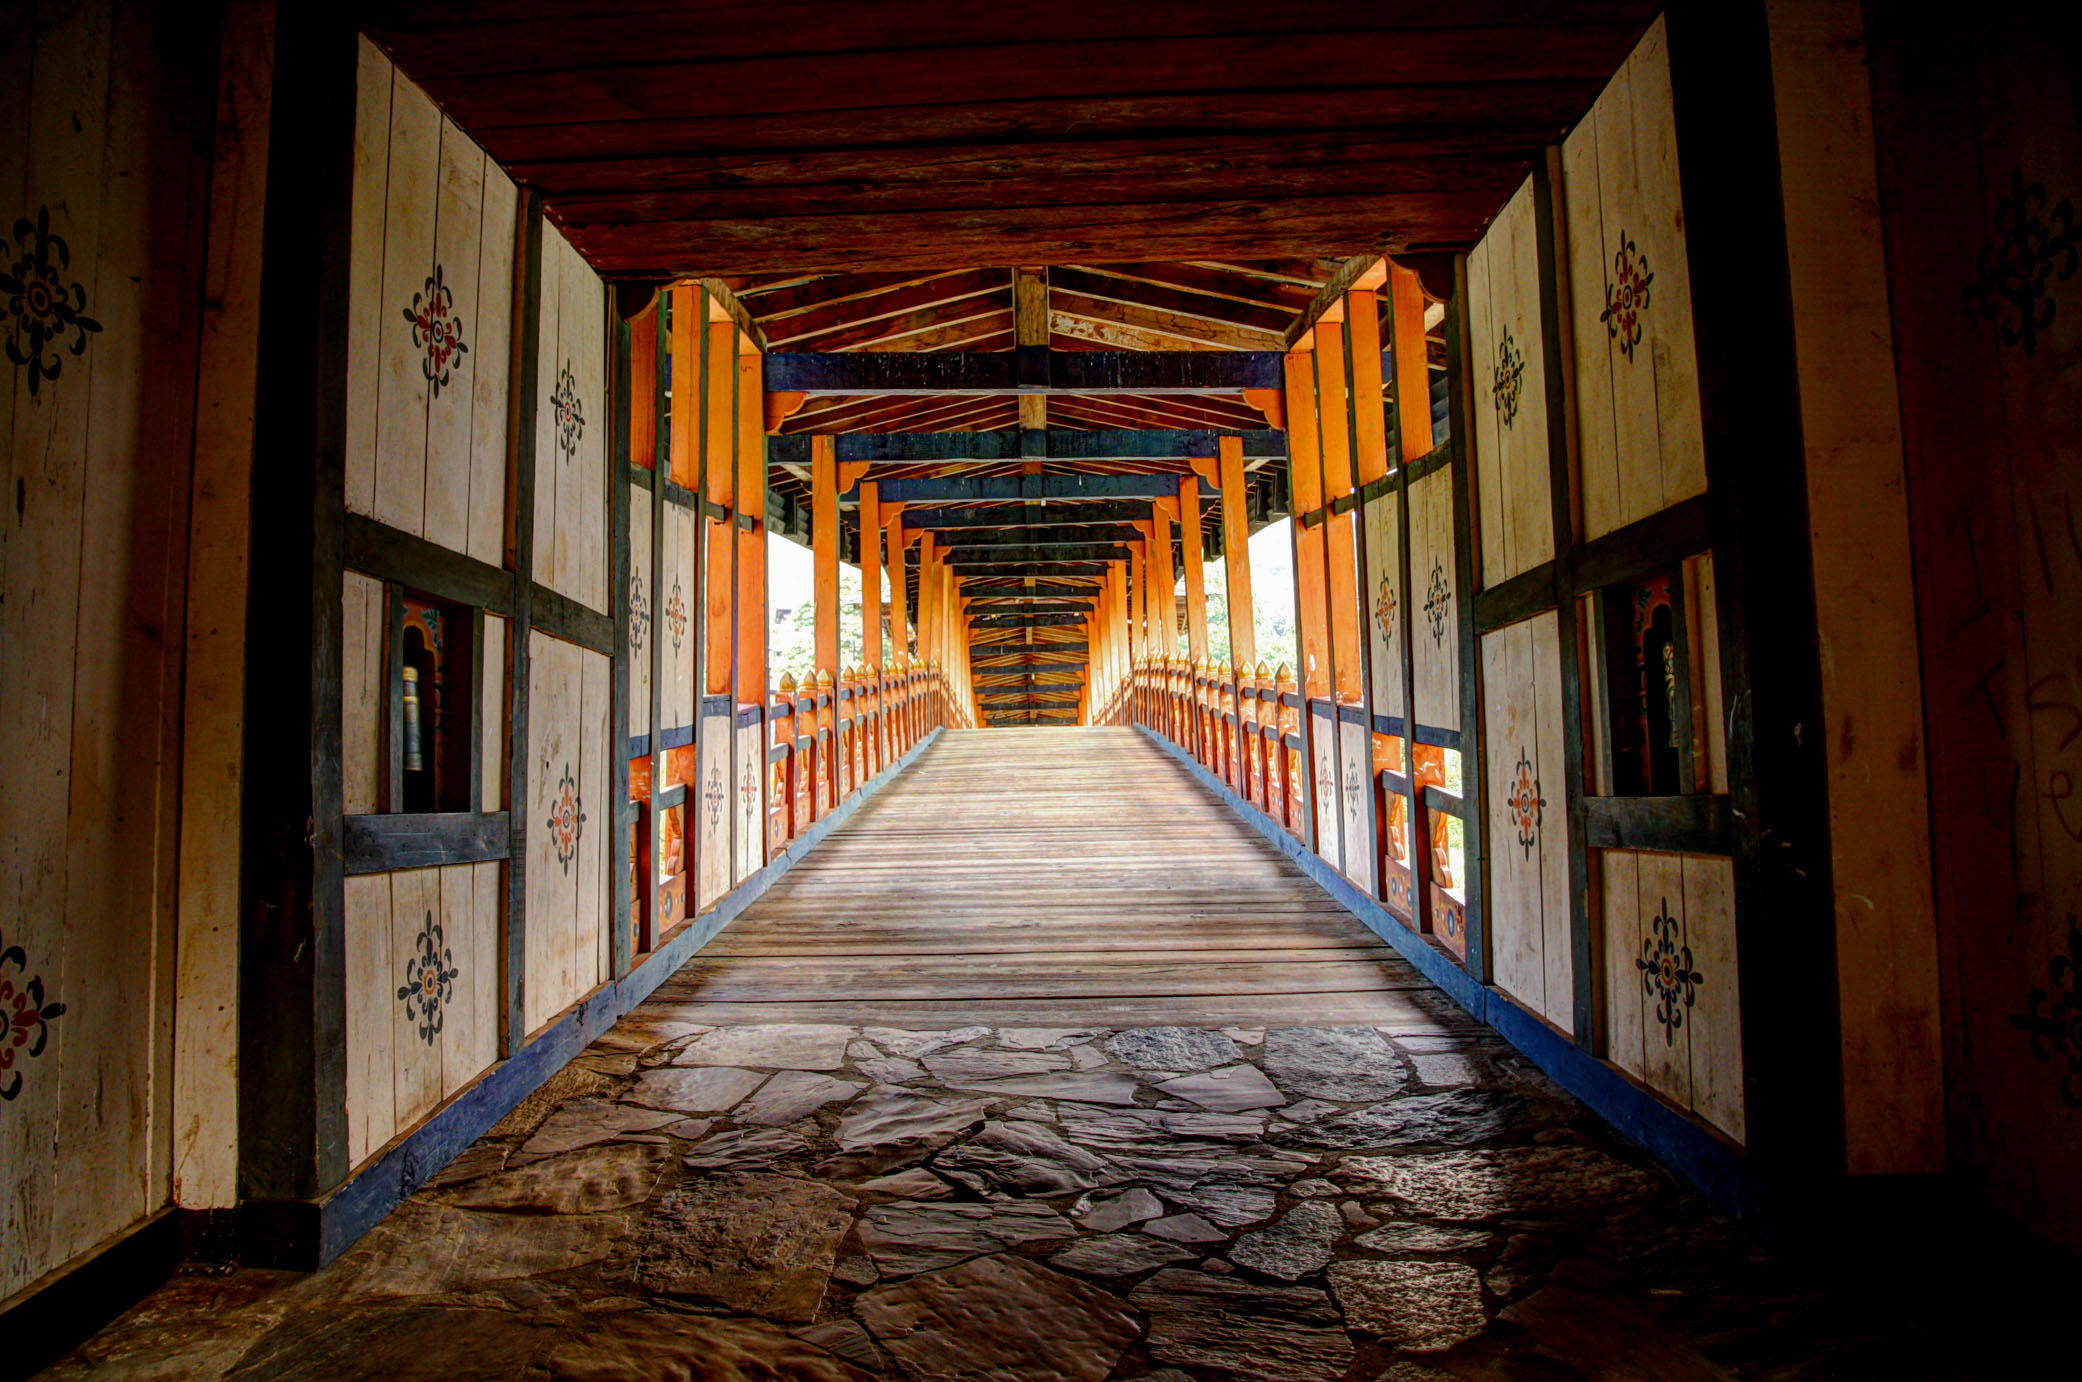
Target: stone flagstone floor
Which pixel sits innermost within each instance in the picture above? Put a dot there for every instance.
(821, 1203)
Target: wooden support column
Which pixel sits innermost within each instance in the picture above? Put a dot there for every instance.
(713, 827)
(1030, 328)
(824, 542)
(927, 629)
(1311, 596)
(1196, 576)
(1138, 596)
(1341, 552)
(1163, 580)
(870, 574)
(1236, 553)
(752, 684)
(899, 588)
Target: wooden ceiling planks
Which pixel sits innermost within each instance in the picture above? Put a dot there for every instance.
(672, 140)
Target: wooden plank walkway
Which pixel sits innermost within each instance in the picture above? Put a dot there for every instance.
(1049, 877)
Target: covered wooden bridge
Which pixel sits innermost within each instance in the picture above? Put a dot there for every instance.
(1622, 922)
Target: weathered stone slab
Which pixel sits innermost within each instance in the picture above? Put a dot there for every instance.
(1492, 1183)
(656, 1346)
(1122, 1210)
(1348, 1064)
(587, 1181)
(744, 1149)
(793, 1094)
(1405, 1236)
(572, 1082)
(914, 1184)
(1446, 1069)
(901, 1119)
(1274, 1333)
(1029, 1159)
(1087, 1057)
(1084, 1086)
(1172, 1048)
(1148, 1129)
(1043, 1038)
(906, 1237)
(587, 1123)
(890, 1070)
(1184, 1228)
(843, 1338)
(774, 1045)
(1456, 1118)
(1294, 1245)
(1234, 1089)
(409, 1343)
(1118, 1254)
(999, 1319)
(966, 1067)
(426, 1249)
(900, 1042)
(477, 1159)
(714, 1089)
(1233, 1189)
(639, 1033)
(763, 1244)
(1424, 1307)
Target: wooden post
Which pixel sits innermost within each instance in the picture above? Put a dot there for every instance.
(1236, 553)
(899, 587)
(870, 574)
(1163, 580)
(1311, 593)
(1030, 328)
(927, 648)
(719, 661)
(1196, 576)
(1334, 437)
(824, 540)
(752, 681)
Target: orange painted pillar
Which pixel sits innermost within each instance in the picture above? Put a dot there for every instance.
(927, 574)
(1341, 552)
(1236, 552)
(1196, 576)
(870, 573)
(899, 587)
(1311, 609)
(824, 547)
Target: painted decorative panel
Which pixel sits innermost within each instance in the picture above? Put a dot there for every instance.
(1513, 488)
(710, 799)
(1528, 852)
(568, 818)
(1673, 995)
(640, 611)
(430, 312)
(422, 994)
(364, 616)
(571, 428)
(98, 228)
(1356, 803)
(1435, 622)
(1323, 793)
(1383, 597)
(678, 589)
(1630, 307)
(750, 795)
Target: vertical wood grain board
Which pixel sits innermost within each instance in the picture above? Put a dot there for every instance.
(1510, 404)
(1528, 858)
(568, 817)
(1435, 596)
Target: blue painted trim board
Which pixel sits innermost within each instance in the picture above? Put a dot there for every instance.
(1666, 1134)
(304, 1235)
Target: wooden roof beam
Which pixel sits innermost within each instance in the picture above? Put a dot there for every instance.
(1022, 371)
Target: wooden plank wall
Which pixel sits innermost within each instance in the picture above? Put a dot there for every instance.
(434, 326)
(429, 344)
(1584, 381)
(1636, 367)
(1971, 137)
(104, 182)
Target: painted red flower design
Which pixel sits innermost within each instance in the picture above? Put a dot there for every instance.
(567, 820)
(44, 305)
(436, 330)
(430, 974)
(1525, 804)
(1384, 612)
(676, 615)
(1667, 974)
(1626, 296)
(25, 1019)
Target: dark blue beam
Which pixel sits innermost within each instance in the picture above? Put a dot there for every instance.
(1033, 488)
(1026, 370)
(1055, 444)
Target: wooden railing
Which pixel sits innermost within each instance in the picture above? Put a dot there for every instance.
(1246, 727)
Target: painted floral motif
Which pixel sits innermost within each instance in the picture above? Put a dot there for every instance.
(639, 614)
(1384, 611)
(1626, 295)
(567, 820)
(25, 1018)
(1667, 974)
(436, 330)
(1507, 378)
(570, 413)
(1525, 804)
(713, 796)
(1438, 602)
(44, 305)
(676, 615)
(429, 981)
(2031, 248)
(2052, 1019)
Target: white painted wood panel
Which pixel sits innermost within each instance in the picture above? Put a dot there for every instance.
(1550, 732)
(1386, 615)
(363, 620)
(497, 693)
(420, 959)
(597, 844)
(371, 1100)
(491, 367)
(708, 799)
(1716, 1019)
(1514, 494)
(1517, 816)
(557, 820)
(374, 76)
(447, 347)
(411, 191)
(641, 611)
(750, 795)
(1323, 795)
(1435, 624)
(681, 588)
(1355, 774)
